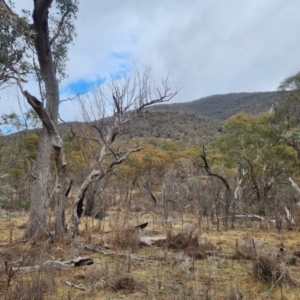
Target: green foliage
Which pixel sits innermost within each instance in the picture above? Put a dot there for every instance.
(66, 10)
(15, 36)
(31, 142)
(17, 41)
(173, 125)
(251, 142)
(17, 153)
(168, 146)
(287, 115)
(15, 123)
(155, 161)
(76, 153)
(291, 83)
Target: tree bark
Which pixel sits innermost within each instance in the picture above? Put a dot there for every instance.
(60, 163)
(90, 199)
(39, 191)
(37, 224)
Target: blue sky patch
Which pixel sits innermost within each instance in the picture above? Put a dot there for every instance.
(122, 63)
(7, 129)
(82, 86)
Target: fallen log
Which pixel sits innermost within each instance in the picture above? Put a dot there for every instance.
(80, 287)
(59, 265)
(256, 218)
(150, 241)
(112, 253)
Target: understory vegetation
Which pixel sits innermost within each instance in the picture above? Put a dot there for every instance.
(217, 222)
(253, 261)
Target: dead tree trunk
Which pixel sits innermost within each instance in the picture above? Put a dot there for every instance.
(128, 97)
(228, 193)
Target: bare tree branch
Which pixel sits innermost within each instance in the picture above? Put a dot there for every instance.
(123, 100)
(208, 171)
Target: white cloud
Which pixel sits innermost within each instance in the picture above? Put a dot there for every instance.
(207, 46)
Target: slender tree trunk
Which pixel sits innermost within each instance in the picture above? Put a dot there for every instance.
(60, 187)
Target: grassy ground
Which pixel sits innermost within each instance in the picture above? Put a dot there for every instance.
(153, 272)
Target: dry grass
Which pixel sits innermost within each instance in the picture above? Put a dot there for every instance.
(124, 239)
(270, 270)
(35, 285)
(169, 272)
(124, 283)
(186, 242)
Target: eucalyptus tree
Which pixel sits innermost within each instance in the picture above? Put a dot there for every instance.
(287, 114)
(14, 34)
(39, 47)
(252, 146)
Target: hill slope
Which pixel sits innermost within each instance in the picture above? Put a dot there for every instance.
(224, 106)
(177, 124)
(196, 122)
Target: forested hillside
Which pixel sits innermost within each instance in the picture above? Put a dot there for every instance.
(197, 122)
(224, 106)
(179, 125)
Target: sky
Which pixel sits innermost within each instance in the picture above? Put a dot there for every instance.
(205, 47)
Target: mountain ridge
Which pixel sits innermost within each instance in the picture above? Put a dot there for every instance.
(223, 106)
(198, 121)
(191, 123)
